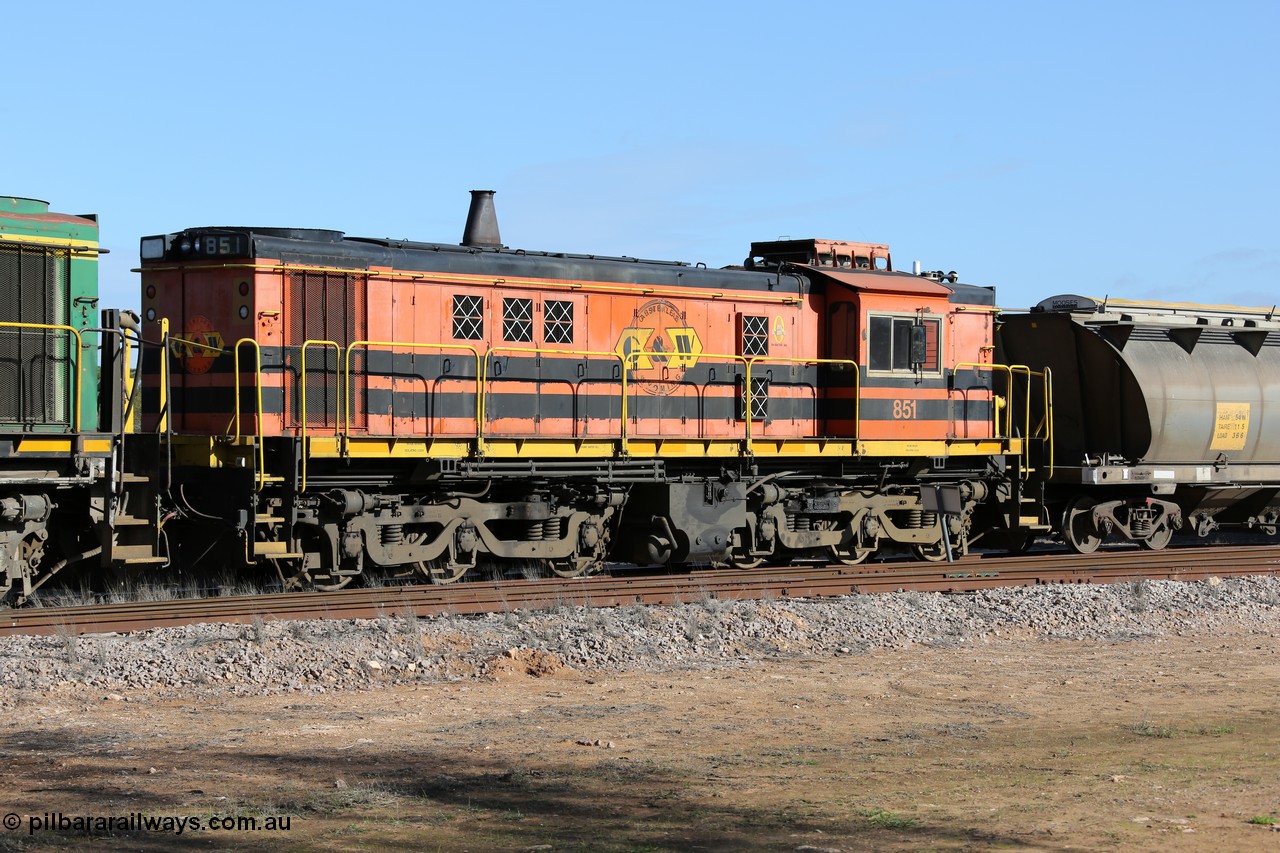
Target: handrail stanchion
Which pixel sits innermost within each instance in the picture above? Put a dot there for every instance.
(623, 437)
(1009, 400)
(257, 382)
(1048, 414)
(349, 385)
(302, 406)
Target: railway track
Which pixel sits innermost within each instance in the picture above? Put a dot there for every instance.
(965, 575)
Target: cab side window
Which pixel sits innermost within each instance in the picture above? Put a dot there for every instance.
(903, 344)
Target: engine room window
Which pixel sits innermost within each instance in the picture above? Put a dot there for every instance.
(468, 317)
(903, 344)
(517, 320)
(557, 321)
(757, 400)
(755, 336)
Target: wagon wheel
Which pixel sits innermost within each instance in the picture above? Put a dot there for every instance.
(1078, 527)
(851, 555)
(1158, 539)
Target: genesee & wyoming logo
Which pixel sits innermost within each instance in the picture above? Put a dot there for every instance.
(658, 347)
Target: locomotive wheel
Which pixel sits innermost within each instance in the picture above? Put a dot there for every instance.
(1158, 539)
(442, 571)
(576, 567)
(934, 552)
(332, 587)
(1078, 528)
(744, 561)
(850, 556)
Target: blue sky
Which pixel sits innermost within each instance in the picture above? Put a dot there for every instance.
(1122, 149)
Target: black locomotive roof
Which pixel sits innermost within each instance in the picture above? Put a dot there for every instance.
(315, 247)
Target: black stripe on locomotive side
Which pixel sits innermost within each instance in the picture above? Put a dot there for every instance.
(572, 387)
(552, 367)
(323, 406)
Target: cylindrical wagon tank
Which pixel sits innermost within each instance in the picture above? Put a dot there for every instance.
(1158, 399)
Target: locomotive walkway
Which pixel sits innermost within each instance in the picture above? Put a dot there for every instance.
(798, 581)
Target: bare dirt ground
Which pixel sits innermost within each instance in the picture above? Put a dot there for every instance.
(1011, 744)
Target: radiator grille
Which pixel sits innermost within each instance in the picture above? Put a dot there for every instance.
(322, 307)
(35, 364)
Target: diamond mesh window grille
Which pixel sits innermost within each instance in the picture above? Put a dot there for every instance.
(517, 320)
(468, 317)
(759, 398)
(755, 336)
(557, 322)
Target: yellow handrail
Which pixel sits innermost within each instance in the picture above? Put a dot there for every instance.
(1046, 377)
(749, 396)
(257, 383)
(622, 359)
(1008, 403)
(75, 374)
(1048, 413)
(162, 424)
(302, 397)
(346, 373)
(130, 378)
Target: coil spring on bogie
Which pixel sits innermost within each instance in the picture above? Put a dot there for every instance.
(551, 528)
(533, 532)
(918, 519)
(392, 534)
(1140, 526)
(799, 523)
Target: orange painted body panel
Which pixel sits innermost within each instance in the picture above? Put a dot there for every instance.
(686, 347)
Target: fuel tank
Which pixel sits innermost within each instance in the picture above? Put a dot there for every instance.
(1153, 382)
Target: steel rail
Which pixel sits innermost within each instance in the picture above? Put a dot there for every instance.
(966, 575)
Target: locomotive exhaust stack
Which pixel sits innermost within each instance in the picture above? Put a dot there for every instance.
(481, 230)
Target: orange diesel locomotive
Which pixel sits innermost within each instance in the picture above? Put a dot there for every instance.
(346, 404)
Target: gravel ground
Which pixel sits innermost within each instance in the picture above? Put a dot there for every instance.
(319, 656)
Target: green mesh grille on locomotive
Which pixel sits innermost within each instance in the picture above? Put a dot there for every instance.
(35, 364)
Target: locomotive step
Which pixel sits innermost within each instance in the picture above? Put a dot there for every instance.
(130, 521)
(267, 519)
(136, 555)
(128, 477)
(275, 551)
